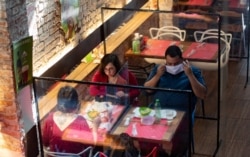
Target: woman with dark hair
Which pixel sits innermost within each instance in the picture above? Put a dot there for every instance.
(110, 71)
(65, 118)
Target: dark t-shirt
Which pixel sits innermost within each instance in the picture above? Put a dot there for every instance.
(180, 81)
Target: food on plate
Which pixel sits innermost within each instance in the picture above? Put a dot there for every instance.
(144, 111)
(93, 114)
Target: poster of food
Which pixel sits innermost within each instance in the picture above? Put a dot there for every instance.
(69, 18)
(22, 57)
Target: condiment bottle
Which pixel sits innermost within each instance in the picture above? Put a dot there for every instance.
(157, 107)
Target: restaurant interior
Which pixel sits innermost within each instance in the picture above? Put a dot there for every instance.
(220, 27)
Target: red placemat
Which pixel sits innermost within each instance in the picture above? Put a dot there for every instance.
(158, 47)
(155, 131)
(205, 52)
(200, 2)
(82, 136)
(236, 4)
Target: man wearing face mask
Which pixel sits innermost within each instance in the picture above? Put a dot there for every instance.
(176, 74)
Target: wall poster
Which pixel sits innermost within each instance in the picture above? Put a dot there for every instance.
(69, 18)
(22, 57)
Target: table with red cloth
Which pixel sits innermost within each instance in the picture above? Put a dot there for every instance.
(160, 133)
(192, 51)
(87, 137)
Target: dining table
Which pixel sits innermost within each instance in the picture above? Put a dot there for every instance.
(162, 131)
(108, 117)
(192, 51)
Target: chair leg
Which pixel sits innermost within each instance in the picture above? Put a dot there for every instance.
(192, 142)
(203, 108)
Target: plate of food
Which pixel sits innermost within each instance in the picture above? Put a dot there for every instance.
(168, 114)
(92, 114)
(98, 109)
(143, 111)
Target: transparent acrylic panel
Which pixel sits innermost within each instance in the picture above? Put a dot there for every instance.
(68, 123)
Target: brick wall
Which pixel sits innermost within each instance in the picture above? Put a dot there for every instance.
(41, 19)
(44, 17)
(10, 134)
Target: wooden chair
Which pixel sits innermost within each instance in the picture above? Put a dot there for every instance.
(88, 150)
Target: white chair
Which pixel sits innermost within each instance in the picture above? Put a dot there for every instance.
(61, 154)
(226, 38)
(200, 36)
(166, 32)
(212, 34)
(100, 154)
(171, 32)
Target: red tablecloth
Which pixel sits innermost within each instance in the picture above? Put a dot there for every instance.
(158, 47)
(200, 2)
(236, 4)
(86, 136)
(154, 132)
(199, 51)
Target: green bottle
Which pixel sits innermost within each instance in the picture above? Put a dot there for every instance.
(136, 44)
(157, 107)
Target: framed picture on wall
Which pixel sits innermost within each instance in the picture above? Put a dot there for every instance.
(22, 57)
(69, 18)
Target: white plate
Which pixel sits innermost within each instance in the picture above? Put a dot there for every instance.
(137, 113)
(168, 114)
(165, 113)
(99, 107)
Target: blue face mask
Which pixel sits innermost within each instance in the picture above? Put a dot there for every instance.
(174, 69)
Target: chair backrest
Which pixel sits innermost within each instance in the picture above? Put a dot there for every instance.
(200, 36)
(88, 150)
(153, 153)
(100, 154)
(224, 58)
(212, 34)
(170, 31)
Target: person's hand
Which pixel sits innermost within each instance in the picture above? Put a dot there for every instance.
(121, 94)
(161, 69)
(187, 68)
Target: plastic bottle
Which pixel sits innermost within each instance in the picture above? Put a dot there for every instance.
(157, 107)
(134, 130)
(136, 44)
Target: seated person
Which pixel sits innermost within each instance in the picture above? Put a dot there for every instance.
(58, 122)
(176, 74)
(110, 72)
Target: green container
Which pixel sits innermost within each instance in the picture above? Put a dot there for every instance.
(136, 46)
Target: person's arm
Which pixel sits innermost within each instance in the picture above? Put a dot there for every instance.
(198, 88)
(153, 80)
(47, 129)
(96, 90)
(133, 92)
(120, 91)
